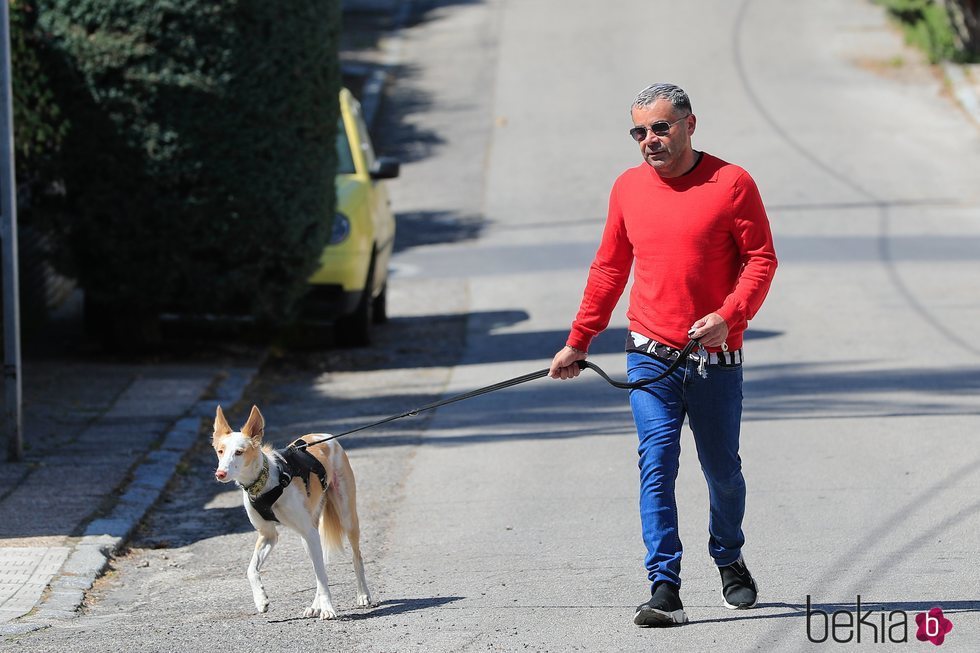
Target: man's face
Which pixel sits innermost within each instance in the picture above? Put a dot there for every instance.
(670, 155)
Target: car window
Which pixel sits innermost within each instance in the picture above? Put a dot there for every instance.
(345, 160)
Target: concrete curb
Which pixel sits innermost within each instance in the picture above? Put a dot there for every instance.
(963, 91)
(105, 536)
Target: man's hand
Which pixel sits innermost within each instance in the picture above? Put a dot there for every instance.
(711, 330)
(563, 365)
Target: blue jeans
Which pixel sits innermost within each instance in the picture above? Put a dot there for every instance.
(714, 408)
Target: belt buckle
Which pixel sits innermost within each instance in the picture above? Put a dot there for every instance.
(663, 351)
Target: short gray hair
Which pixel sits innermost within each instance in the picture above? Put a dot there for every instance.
(674, 94)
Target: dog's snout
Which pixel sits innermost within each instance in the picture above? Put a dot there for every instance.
(220, 474)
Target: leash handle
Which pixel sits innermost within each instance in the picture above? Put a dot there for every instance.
(517, 380)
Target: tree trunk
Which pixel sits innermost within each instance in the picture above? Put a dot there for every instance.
(963, 16)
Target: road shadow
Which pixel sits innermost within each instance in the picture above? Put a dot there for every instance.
(308, 394)
(194, 506)
(822, 388)
(395, 129)
(419, 228)
(818, 388)
(394, 132)
(393, 607)
(366, 23)
(403, 339)
(389, 608)
(301, 385)
(396, 135)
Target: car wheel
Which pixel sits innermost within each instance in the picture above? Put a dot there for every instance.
(354, 330)
(381, 306)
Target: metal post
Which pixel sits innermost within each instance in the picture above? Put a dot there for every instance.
(12, 416)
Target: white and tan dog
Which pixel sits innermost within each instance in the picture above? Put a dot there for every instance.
(319, 512)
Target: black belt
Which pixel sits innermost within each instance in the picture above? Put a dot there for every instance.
(668, 354)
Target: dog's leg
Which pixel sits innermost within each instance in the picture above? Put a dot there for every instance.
(363, 594)
(263, 546)
(352, 527)
(333, 522)
(322, 605)
(344, 501)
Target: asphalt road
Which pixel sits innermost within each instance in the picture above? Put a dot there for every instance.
(509, 522)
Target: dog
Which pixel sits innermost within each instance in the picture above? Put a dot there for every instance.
(310, 491)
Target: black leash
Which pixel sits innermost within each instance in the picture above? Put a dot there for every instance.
(517, 380)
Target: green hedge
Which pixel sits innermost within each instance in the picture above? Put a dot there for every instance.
(39, 125)
(199, 163)
(927, 25)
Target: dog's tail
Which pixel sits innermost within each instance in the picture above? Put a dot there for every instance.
(331, 530)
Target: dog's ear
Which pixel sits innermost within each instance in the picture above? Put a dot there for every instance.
(221, 426)
(255, 426)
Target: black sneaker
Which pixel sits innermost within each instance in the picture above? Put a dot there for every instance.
(737, 586)
(663, 609)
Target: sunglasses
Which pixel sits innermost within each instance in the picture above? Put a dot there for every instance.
(659, 128)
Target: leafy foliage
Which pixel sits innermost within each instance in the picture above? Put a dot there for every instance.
(39, 125)
(927, 25)
(199, 163)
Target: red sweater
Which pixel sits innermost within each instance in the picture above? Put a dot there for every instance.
(701, 243)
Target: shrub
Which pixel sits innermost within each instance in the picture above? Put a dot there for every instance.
(39, 125)
(39, 130)
(200, 161)
(927, 25)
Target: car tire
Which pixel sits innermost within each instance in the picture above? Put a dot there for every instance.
(354, 330)
(381, 306)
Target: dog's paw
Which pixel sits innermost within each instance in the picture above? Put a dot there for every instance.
(263, 606)
(311, 613)
(364, 601)
(321, 608)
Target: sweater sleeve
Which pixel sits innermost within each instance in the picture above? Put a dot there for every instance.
(608, 276)
(750, 229)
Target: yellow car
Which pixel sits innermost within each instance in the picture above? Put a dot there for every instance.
(351, 282)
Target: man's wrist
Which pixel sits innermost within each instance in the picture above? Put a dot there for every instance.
(575, 349)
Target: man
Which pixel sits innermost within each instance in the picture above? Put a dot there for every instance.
(696, 230)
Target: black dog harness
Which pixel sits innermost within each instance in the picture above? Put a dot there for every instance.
(293, 462)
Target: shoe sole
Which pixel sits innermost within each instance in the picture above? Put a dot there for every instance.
(651, 618)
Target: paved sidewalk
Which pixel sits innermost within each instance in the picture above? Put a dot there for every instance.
(964, 81)
(101, 442)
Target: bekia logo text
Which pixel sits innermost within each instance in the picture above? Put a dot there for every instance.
(873, 626)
